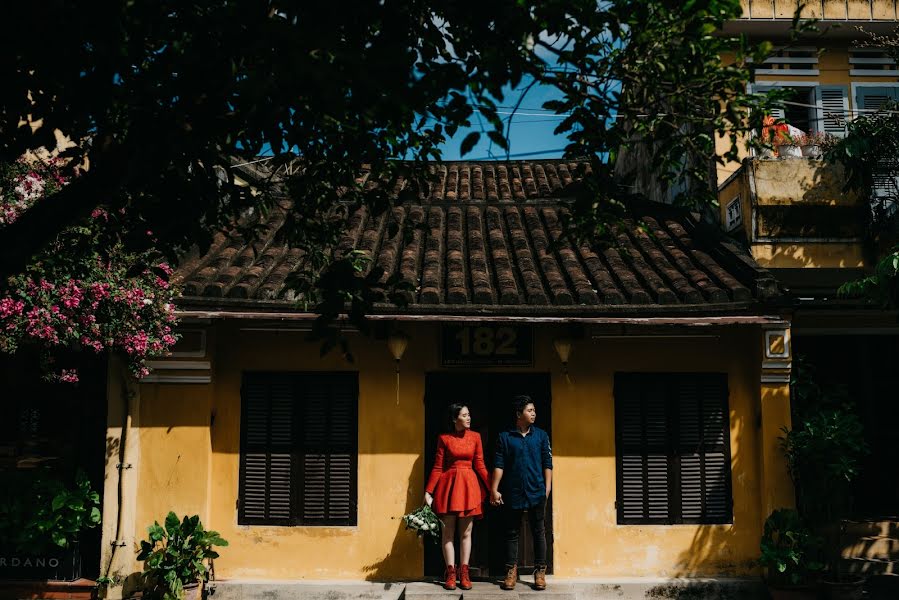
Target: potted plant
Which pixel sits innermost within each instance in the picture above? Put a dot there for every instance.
(42, 517)
(787, 146)
(814, 145)
(177, 558)
(824, 451)
(788, 551)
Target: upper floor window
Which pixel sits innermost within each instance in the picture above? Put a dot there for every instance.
(871, 62)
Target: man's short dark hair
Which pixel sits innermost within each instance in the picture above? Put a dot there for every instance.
(519, 403)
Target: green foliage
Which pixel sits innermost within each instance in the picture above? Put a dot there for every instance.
(176, 554)
(41, 513)
(164, 98)
(788, 549)
(868, 153)
(824, 449)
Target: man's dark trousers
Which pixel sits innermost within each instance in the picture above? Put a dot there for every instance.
(524, 458)
(512, 530)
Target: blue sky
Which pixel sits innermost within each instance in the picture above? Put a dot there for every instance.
(531, 134)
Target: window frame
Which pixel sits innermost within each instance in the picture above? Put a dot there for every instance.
(298, 450)
(673, 452)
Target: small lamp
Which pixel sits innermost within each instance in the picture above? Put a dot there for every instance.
(563, 349)
(396, 343)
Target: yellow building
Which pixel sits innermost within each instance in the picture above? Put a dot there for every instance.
(834, 74)
(660, 367)
(798, 220)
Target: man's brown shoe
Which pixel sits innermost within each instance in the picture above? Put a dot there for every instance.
(464, 577)
(511, 577)
(449, 581)
(540, 578)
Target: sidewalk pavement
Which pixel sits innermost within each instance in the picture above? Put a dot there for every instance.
(636, 588)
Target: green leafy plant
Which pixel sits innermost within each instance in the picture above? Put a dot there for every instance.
(39, 512)
(788, 549)
(175, 555)
(824, 449)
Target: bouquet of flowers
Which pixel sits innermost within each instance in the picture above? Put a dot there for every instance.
(424, 522)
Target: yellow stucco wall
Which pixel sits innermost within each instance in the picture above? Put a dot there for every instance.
(861, 10)
(188, 466)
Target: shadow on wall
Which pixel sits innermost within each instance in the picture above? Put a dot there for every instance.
(403, 555)
(710, 552)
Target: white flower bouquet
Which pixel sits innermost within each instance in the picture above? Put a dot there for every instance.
(424, 522)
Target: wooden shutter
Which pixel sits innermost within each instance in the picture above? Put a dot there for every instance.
(643, 449)
(833, 109)
(267, 455)
(672, 448)
(702, 448)
(330, 451)
(298, 449)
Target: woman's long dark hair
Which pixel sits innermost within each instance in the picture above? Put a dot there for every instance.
(453, 412)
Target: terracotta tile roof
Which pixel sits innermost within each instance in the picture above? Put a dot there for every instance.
(487, 242)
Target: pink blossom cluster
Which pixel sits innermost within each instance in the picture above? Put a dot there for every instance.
(134, 316)
(91, 301)
(23, 185)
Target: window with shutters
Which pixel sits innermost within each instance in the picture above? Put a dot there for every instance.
(672, 448)
(871, 62)
(790, 61)
(869, 99)
(299, 448)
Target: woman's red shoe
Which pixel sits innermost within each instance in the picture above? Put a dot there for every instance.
(464, 578)
(450, 581)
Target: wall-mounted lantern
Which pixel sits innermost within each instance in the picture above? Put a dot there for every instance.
(563, 349)
(396, 343)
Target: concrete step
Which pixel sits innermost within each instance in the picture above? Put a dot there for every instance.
(294, 590)
(871, 566)
(871, 528)
(635, 588)
(878, 547)
(627, 589)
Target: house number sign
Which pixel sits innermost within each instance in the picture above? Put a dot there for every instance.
(487, 345)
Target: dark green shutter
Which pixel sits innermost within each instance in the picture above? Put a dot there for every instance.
(299, 449)
(641, 415)
(672, 448)
(702, 448)
(330, 449)
(268, 446)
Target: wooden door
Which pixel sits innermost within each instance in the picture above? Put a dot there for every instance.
(489, 398)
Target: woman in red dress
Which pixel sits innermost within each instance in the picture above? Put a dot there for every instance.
(458, 488)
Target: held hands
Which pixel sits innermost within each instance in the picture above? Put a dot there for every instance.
(496, 498)
(428, 499)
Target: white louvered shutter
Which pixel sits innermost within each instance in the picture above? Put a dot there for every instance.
(833, 109)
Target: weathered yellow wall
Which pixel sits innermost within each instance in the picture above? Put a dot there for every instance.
(189, 467)
(800, 181)
(808, 255)
(863, 10)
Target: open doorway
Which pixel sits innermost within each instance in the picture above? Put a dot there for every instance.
(489, 398)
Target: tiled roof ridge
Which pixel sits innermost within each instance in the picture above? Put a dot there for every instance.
(484, 254)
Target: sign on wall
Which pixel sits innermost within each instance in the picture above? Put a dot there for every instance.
(486, 345)
(734, 214)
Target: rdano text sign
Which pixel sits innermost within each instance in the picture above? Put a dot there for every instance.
(487, 345)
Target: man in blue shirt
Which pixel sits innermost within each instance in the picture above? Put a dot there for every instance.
(522, 481)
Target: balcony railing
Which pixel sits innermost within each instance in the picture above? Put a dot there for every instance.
(831, 10)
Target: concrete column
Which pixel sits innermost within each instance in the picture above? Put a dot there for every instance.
(117, 557)
(777, 487)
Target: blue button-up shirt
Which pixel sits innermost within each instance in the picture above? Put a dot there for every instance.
(522, 459)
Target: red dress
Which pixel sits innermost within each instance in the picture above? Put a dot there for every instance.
(454, 480)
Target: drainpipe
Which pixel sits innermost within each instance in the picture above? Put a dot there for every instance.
(123, 398)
